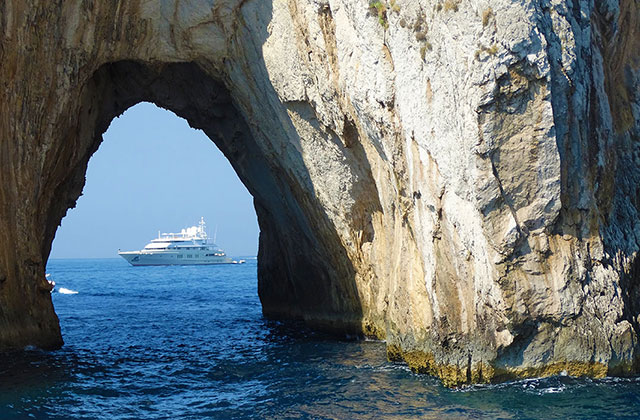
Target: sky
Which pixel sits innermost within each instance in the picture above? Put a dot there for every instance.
(154, 173)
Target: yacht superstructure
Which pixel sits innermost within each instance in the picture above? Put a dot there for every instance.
(189, 247)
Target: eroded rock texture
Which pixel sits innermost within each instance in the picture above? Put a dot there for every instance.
(457, 177)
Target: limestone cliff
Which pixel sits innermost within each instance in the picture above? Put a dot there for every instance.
(457, 177)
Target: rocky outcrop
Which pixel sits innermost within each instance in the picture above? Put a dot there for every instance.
(458, 178)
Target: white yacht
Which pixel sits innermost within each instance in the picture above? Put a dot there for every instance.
(189, 247)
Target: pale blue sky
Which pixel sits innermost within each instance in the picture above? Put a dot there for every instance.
(153, 172)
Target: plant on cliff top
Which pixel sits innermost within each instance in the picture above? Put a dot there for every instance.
(451, 5)
(420, 25)
(492, 50)
(486, 16)
(381, 10)
(423, 50)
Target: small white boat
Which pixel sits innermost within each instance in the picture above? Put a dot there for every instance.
(189, 247)
(52, 283)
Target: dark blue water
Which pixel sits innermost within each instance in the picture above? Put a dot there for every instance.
(191, 343)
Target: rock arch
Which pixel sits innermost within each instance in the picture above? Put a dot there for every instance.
(292, 245)
(302, 263)
(452, 180)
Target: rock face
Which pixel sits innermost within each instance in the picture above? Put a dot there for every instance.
(459, 178)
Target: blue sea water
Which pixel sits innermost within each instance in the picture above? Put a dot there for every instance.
(191, 343)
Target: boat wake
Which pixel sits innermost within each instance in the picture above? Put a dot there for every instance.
(66, 291)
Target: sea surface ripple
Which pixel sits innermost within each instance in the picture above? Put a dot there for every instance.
(191, 343)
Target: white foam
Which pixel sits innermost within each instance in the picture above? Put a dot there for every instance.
(65, 291)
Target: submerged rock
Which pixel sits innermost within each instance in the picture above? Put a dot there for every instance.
(458, 178)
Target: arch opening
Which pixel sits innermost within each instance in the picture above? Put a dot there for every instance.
(304, 272)
(153, 173)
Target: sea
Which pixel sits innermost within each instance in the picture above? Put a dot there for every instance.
(190, 342)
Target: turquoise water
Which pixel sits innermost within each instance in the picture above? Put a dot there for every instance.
(191, 343)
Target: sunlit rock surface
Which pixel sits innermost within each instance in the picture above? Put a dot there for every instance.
(459, 178)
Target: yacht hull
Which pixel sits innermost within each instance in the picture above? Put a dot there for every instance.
(137, 258)
(189, 247)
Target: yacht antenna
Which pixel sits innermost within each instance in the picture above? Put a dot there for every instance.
(215, 234)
